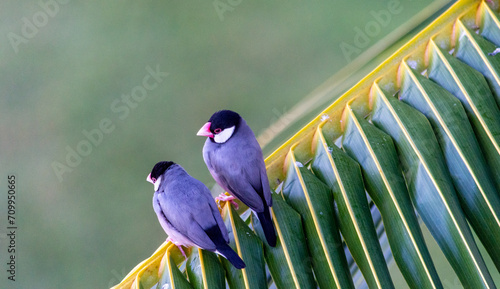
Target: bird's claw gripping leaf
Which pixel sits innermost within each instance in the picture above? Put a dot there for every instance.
(225, 198)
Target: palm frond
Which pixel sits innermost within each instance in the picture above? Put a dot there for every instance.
(419, 133)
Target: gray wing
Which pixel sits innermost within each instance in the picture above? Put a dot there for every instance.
(186, 206)
(214, 211)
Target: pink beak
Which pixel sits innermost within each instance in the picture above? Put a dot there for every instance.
(149, 179)
(205, 130)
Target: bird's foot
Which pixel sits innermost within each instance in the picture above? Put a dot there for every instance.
(182, 251)
(225, 198)
(178, 246)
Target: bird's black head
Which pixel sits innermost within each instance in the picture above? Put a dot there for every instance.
(159, 169)
(221, 126)
(223, 119)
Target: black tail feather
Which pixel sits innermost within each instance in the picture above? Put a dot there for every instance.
(267, 226)
(231, 256)
(215, 234)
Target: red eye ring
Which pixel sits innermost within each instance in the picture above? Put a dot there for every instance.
(217, 130)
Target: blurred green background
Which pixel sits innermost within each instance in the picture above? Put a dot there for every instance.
(66, 66)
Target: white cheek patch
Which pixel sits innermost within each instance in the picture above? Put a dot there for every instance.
(157, 183)
(224, 135)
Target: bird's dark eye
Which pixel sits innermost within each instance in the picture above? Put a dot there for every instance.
(154, 180)
(217, 130)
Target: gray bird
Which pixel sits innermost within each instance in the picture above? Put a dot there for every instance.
(234, 158)
(188, 213)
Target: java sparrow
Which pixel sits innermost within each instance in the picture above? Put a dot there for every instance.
(234, 158)
(188, 213)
